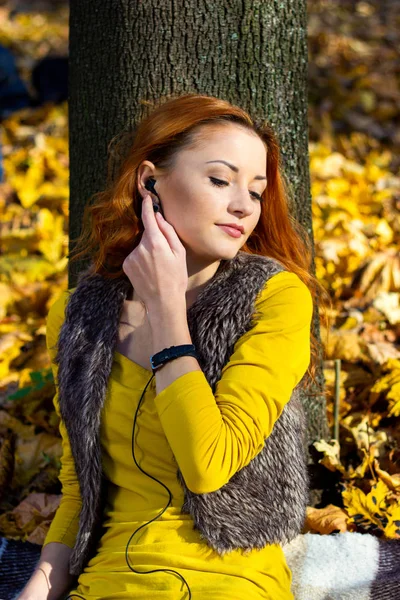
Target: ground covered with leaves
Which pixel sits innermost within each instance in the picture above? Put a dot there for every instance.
(355, 167)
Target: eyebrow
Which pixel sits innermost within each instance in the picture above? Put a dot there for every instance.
(233, 167)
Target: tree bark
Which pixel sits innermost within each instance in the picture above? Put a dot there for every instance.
(252, 53)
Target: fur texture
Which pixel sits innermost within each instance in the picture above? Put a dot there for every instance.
(263, 503)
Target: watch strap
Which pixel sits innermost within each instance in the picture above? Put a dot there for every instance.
(160, 358)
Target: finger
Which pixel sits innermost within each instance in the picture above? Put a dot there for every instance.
(148, 217)
(169, 231)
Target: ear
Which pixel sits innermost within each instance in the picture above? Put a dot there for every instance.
(145, 171)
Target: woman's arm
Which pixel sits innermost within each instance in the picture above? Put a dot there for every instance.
(65, 524)
(213, 436)
(50, 579)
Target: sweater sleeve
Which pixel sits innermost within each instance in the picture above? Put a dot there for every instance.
(214, 436)
(64, 527)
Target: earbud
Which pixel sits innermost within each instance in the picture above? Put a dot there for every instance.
(149, 185)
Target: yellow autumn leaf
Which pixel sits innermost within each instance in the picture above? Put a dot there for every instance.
(38, 535)
(10, 349)
(25, 432)
(24, 519)
(384, 231)
(392, 529)
(325, 520)
(364, 509)
(27, 185)
(364, 436)
(389, 304)
(392, 481)
(393, 397)
(363, 468)
(389, 386)
(326, 166)
(337, 187)
(24, 270)
(6, 461)
(374, 173)
(331, 458)
(30, 455)
(51, 231)
(344, 345)
(7, 298)
(36, 505)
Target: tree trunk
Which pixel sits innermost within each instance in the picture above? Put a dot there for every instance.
(252, 53)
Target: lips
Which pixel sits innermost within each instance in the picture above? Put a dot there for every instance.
(232, 231)
(233, 226)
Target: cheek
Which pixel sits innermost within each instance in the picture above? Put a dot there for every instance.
(194, 223)
(256, 219)
(192, 206)
(195, 207)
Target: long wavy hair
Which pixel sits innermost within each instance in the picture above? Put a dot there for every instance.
(111, 225)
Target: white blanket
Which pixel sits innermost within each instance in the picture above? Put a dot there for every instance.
(344, 566)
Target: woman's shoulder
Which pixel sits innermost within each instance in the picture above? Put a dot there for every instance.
(57, 308)
(56, 315)
(282, 281)
(286, 292)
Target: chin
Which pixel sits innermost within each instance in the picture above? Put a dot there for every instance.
(228, 253)
(225, 250)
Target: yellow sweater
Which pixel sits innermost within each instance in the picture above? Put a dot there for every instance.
(210, 437)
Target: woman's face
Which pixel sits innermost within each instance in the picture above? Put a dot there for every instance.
(199, 193)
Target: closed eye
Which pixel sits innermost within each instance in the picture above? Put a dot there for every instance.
(220, 183)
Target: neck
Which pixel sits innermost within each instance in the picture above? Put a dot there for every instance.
(199, 274)
(198, 279)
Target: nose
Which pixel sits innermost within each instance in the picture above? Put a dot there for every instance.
(243, 203)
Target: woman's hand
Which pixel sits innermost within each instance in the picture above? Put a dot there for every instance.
(157, 266)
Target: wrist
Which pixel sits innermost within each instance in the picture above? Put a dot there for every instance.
(169, 327)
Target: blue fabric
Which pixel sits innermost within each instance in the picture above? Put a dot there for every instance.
(14, 94)
(17, 563)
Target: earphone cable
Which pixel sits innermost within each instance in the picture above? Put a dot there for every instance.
(147, 523)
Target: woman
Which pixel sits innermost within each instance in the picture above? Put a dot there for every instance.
(240, 300)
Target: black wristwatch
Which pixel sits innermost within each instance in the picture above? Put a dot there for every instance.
(160, 358)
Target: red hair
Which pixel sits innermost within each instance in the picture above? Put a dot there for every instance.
(111, 226)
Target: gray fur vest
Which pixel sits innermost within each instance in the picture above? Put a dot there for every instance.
(263, 503)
